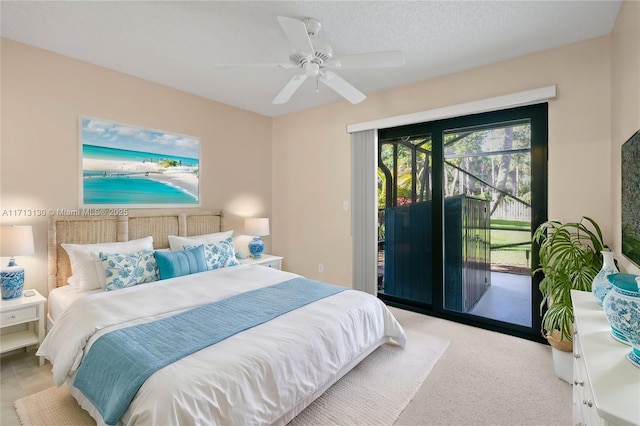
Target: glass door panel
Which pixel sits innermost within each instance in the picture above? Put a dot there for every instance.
(487, 221)
(405, 253)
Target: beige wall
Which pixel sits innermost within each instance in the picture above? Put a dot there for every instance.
(44, 93)
(311, 167)
(625, 104)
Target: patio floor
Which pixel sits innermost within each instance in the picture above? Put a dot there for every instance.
(507, 299)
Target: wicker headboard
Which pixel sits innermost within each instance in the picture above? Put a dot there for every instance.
(108, 229)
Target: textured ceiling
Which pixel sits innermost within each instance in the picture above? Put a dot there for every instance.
(182, 43)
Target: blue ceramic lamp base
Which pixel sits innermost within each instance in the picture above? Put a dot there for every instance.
(12, 282)
(256, 247)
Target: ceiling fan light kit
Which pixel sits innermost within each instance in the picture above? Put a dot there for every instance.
(314, 58)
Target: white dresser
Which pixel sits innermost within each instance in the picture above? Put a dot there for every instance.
(606, 386)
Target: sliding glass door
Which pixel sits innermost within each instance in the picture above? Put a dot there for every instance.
(457, 202)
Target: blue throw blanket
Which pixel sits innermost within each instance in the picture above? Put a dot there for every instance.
(119, 362)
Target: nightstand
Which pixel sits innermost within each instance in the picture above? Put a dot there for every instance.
(23, 310)
(267, 260)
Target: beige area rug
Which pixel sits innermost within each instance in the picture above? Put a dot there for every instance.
(378, 389)
(374, 393)
(53, 406)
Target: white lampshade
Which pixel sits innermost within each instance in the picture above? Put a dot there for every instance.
(256, 226)
(16, 240)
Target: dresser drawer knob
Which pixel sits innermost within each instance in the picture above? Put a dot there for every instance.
(576, 355)
(576, 382)
(588, 403)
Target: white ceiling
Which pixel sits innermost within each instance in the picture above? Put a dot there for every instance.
(181, 44)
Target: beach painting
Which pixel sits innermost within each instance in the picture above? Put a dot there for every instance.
(129, 166)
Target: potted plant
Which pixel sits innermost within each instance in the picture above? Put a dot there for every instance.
(570, 257)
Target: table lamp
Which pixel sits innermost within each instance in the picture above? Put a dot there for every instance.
(256, 227)
(14, 241)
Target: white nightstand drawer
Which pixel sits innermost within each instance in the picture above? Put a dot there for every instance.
(19, 316)
(272, 264)
(268, 260)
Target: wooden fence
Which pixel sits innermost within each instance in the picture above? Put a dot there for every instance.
(512, 210)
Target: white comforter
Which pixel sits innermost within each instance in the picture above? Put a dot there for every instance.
(255, 377)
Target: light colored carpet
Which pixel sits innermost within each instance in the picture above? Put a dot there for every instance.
(389, 377)
(486, 379)
(377, 390)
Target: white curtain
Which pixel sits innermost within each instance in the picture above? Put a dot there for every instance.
(364, 208)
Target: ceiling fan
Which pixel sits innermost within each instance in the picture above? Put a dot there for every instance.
(315, 59)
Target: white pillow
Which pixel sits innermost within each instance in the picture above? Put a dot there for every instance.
(86, 267)
(178, 243)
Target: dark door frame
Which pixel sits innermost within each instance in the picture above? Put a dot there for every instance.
(538, 116)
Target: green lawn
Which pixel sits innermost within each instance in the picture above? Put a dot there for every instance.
(510, 232)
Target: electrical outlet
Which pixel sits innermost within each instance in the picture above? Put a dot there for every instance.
(320, 267)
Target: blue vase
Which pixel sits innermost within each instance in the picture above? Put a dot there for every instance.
(622, 308)
(256, 247)
(601, 285)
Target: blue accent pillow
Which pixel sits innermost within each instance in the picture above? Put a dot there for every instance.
(220, 254)
(173, 264)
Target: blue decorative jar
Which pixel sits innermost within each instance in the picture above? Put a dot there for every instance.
(601, 285)
(256, 247)
(622, 308)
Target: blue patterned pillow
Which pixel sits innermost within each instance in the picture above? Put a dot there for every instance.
(127, 270)
(177, 263)
(220, 254)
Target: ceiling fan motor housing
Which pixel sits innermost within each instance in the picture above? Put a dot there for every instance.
(322, 53)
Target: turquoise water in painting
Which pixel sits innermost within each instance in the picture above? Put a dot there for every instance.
(133, 190)
(104, 153)
(130, 188)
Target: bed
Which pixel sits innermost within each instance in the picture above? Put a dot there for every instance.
(273, 341)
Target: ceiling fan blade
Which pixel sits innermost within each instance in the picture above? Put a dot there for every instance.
(341, 87)
(390, 58)
(290, 89)
(297, 34)
(284, 65)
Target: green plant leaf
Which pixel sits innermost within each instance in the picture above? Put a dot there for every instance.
(570, 257)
